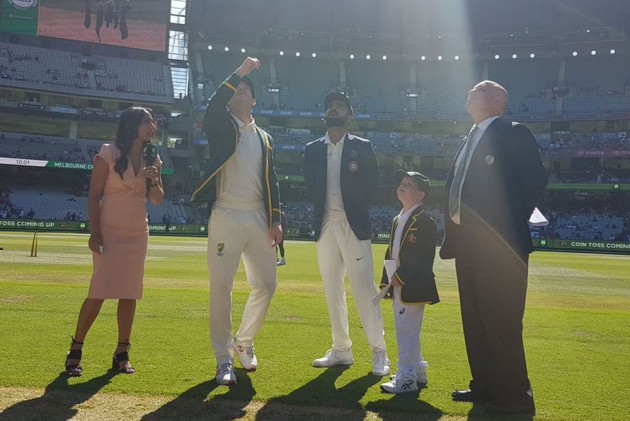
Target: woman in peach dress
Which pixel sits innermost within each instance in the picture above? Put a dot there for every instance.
(119, 231)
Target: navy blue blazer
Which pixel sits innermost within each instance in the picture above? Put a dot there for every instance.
(360, 180)
(415, 259)
(504, 181)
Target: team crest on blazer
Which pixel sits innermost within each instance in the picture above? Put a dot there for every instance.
(353, 166)
(220, 247)
(412, 239)
(489, 159)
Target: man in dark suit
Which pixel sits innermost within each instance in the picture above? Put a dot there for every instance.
(341, 175)
(492, 188)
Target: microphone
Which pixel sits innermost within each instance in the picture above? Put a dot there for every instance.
(149, 153)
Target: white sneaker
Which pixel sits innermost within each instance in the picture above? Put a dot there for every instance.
(281, 262)
(395, 387)
(421, 379)
(225, 374)
(246, 356)
(380, 362)
(334, 357)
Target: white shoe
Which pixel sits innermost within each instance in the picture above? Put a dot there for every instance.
(380, 362)
(281, 262)
(225, 374)
(334, 357)
(246, 356)
(395, 387)
(421, 379)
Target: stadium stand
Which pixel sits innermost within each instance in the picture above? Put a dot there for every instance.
(59, 149)
(590, 86)
(52, 204)
(42, 66)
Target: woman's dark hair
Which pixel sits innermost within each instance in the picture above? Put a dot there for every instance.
(127, 131)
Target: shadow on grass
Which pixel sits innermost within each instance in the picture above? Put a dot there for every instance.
(58, 400)
(403, 407)
(478, 413)
(319, 399)
(192, 404)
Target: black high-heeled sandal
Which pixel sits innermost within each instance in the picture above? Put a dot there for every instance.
(74, 370)
(122, 357)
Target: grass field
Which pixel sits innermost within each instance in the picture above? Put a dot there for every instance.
(577, 338)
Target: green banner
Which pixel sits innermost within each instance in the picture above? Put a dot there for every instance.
(589, 186)
(20, 17)
(83, 226)
(70, 165)
(582, 245)
(27, 162)
(39, 225)
(88, 167)
(178, 229)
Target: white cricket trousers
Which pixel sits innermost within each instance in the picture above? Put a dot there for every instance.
(340, 252)
(408, 323)
(232, 233)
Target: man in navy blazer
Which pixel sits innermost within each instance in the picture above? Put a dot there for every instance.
(496, 180)
(342, 175)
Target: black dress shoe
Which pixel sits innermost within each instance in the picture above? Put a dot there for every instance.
(467, 396)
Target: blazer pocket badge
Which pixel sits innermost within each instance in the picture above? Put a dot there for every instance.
(412, 239)
(489, 159)
(353, 166)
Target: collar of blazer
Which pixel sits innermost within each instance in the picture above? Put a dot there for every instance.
(349, 137)
(407, 229)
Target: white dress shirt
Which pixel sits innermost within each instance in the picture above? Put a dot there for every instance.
(464, 159)
(334, 209)
(239, 181)
(403, 217)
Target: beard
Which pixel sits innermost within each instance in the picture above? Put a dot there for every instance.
(335, 121)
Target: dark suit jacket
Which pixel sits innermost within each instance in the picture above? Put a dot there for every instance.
(504, 182)
(360, 180)
(415, 259)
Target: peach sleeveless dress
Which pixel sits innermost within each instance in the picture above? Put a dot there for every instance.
(118, 272)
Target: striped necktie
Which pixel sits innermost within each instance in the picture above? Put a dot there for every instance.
(455, 196)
